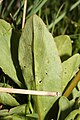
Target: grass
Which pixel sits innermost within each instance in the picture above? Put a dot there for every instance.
(60, 17)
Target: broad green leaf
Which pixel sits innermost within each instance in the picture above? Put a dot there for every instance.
(73, 115)
(39, 60)
(7, 99)
(5, 51)
(64, 45)
(75, 93)
(47, 66)
(21, 110)
(6, 118)
(25, 53)
(33, 116)
(18, 112)
(14, 117)
(19, 117)
(4, 112)
(70, 68)
(64, 108)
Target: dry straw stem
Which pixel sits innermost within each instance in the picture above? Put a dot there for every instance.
(73, 84)
(24, 13)
(1, 1)
(32, 92)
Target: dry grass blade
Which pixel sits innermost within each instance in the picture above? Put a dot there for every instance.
(24, 13)
(32, 92)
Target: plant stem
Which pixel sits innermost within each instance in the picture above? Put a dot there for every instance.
(24, 13)
(73, 84)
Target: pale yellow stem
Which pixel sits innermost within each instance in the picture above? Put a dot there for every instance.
(73, 84)
(24, 13)
(31, 92)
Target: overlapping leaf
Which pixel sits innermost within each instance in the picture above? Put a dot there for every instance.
(70, 68)
(5, 55)
(7, 99)
(74, 115)
(47, 63)
(25, 53)
(64, 45)
(38, 57)
(64, 108)
(41, 68)
(13, 117)
(19, 113)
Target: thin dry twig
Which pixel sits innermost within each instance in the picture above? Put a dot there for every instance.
(31, 92)
(24, 13)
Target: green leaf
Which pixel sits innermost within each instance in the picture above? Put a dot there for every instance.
(14, 117)
(7, 99)
(40, 62)
(64, 45)
(21, 110)
(73, 115)
(19, 117)
(4, 112)
(6, 62)
(78, 117)
(18, 112)
(75, 93)
(33, 116)
(47, 65)
(25, 53)
(64, 108)
(70, 68)
(6, 118)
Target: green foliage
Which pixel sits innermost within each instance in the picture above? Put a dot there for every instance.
(64, 108)
(7, 99)
(41, 69)
(25, 54)
(64, 45)
(47, 65)
(70, 68)
(75, 114)
(6, 62)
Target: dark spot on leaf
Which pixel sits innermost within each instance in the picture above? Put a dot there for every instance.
(40, 81)
(46, 73)
(24, 66)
